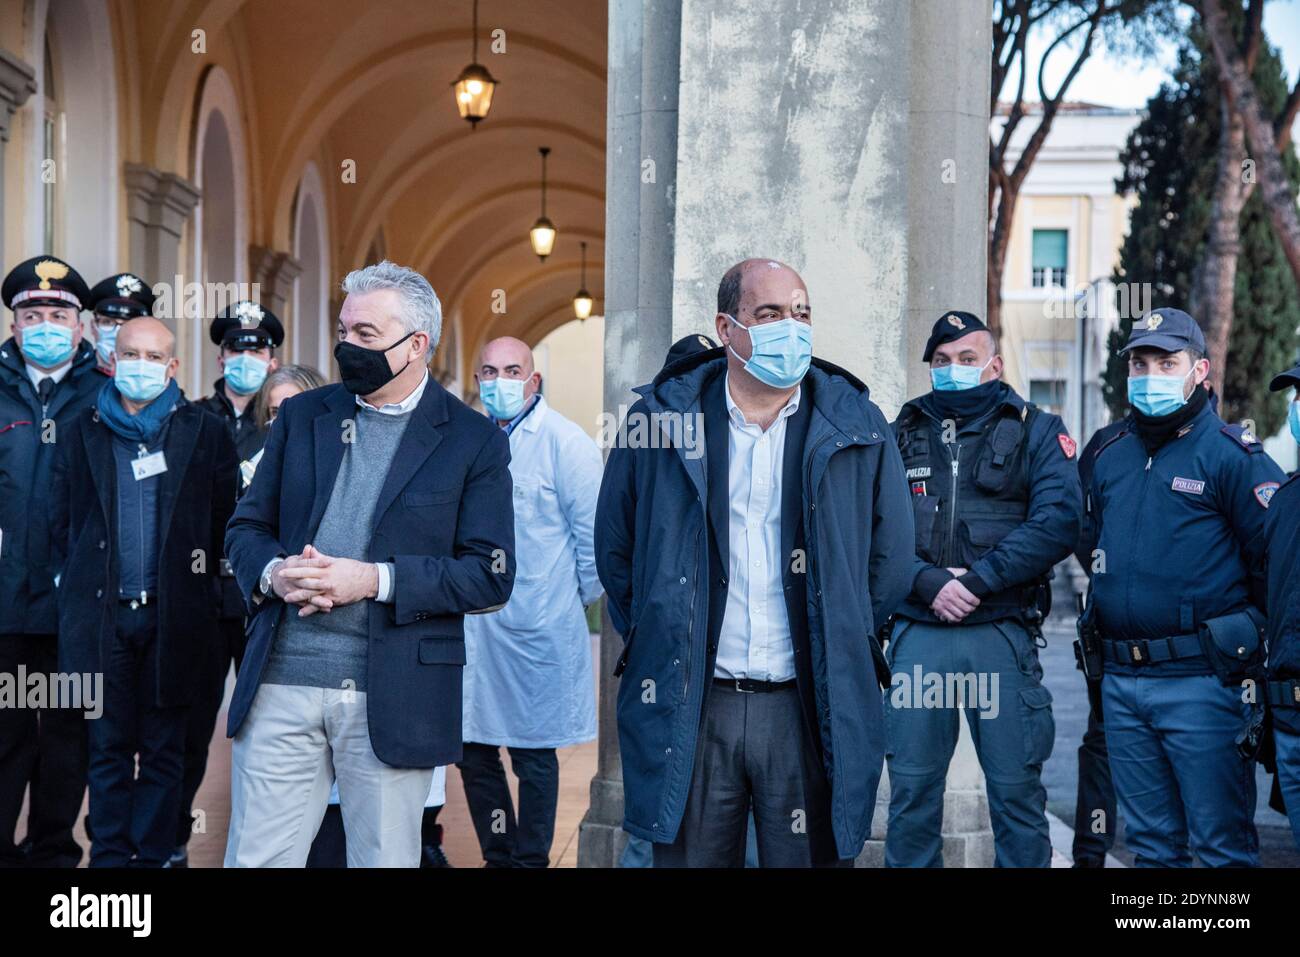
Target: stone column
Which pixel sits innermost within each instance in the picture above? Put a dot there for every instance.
(275, 272)
(17, 83)
(847, 138)
(640, 175)
(158, 204)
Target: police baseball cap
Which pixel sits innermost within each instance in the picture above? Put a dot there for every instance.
(1290, 379)
(44, 281)
(688, 346)
(244, 326)
(1169, 330)
(122, 296)
(951, 325)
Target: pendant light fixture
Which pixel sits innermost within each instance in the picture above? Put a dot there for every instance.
(542, 235)
(582, 302)
(475, 85)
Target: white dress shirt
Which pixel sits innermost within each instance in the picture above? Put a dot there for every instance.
(36, 374)
(755, 638)
(384, 593)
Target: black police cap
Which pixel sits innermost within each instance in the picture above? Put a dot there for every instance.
(44, 281)
(122, 296)
(1166, 329)
(688, 346)
(1290, 379)
(245, 325)
(951, 325)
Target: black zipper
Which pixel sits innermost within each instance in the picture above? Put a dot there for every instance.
(950, 547)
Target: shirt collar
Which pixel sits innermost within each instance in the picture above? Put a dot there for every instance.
(738, 418)
(36, 374)
(398, 408)
(523, 413)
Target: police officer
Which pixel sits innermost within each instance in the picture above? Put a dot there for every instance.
(996, 501)
(1177, 505)
(47, 376)
(1282, 528)
(248, 335)
(112, 302)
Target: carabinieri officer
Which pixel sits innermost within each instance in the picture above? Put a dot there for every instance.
(1178, 503)
(1283, 531)
(996, 499)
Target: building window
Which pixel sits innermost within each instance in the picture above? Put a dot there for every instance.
(1050, 257)
(1048, 394)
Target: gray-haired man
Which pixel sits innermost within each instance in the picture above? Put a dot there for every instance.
(379, 515)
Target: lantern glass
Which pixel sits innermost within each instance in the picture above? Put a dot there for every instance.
(474, 88)
(582, 304)
(542, 236)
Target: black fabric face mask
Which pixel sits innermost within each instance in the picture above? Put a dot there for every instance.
(366, 371)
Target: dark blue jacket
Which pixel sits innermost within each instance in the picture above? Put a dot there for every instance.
(1180, 533)
(1007, 541)
(27, 604)
(137, 519)
(1283, 532)
(195, 498)
(445, 520)
(653, 556)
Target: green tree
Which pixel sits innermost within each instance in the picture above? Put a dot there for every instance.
(1169, 165)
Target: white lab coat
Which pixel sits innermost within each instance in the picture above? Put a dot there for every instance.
(528, 669)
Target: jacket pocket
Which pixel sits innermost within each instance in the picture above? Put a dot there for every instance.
(925, 512)
(442, 651)
(443, 496)
(1039, 725)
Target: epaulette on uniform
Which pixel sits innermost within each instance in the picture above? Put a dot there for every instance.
(1243, 438)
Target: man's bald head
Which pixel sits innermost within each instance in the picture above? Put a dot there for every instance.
(740, 282)
(507, 352)
(147, 337)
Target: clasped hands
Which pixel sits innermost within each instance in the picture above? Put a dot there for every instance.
(317, 582)
(954, 601)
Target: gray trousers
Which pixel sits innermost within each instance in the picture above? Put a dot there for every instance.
(752, 750)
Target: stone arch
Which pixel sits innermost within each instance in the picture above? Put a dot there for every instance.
(219, 227)
(310, 337)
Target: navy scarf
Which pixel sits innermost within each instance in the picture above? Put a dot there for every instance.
(146, 424)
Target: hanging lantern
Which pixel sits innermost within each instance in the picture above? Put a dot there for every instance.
(475, 85)
(542, 235)
(582, 301)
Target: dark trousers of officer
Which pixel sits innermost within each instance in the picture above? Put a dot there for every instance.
(133, 818)
(1094, 810)
(1013, 737)
(754, 752)
(1286, 738)
(507, 840)
(203, 718)
(1178, 776)
(45, 748)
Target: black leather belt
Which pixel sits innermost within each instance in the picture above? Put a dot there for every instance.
(1148, 651)
(750, 686)
(1284, 692)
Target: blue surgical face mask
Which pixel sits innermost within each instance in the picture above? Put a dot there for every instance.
(139, 379)
(105, 343)
(503, 398)
(954, 377)
(1157, 395)
(1293, 419)
(47, 345)
(780, 351)
(245, 373)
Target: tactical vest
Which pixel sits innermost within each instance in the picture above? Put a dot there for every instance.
(969, 495)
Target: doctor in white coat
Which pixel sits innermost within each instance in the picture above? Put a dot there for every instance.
(529, 685)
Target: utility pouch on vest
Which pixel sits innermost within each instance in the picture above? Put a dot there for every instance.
(993, 470)
(1233, 643)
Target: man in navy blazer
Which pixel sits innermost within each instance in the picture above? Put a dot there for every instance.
(380, 514)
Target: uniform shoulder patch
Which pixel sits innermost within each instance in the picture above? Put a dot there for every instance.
(1068, 445)
(1243, 438)
(1265, 491)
